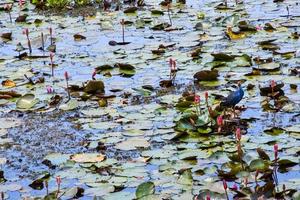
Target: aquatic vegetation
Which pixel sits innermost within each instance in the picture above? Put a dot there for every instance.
(167, 100)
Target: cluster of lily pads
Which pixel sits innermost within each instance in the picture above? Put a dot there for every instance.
(144, 84)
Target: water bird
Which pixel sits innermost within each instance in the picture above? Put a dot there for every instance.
(233, 98)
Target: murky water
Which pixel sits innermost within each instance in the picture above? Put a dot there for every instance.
(43, 133)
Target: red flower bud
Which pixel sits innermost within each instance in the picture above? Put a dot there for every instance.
(26, 31)
(51, 56)
(208, 196)
(66, 76)
(197, 99)
(224, 184)
(206, 95)
(49, 89)
(276, 151)
(58, 180)
(50, 30)
(238, 135)
(273, 84)
(220, 120)
(174, 65)
(170, 63)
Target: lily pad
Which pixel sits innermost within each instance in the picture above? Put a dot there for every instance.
(27, 101)
(145, 189)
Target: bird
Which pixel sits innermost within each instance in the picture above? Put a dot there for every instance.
(233, 98)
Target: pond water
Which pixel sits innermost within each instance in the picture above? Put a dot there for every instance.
(147, 132)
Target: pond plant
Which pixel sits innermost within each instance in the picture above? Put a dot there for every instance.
(202, 103)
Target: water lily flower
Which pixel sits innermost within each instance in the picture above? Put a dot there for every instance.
(49, 89)
(238, 135)
(197, 99)
(276, 151)
(22, 3)
(235, 187)
(208, 196)
(259, 28)
(7, 7)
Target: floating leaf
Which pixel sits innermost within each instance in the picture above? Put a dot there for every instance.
(87, 157)
(258, 164)
(8, 83)
(27, 101)
(145, 189)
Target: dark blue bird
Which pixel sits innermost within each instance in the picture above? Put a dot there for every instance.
(233, 98)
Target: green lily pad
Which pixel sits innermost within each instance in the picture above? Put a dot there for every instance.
(145, 189)
(27, 101)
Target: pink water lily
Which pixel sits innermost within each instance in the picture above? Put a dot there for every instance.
(197, 99)
(208, 196)
(259, 28)
(22, 3)
(238, 135)
(235, 187)
(7, 7)
(49, 89)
